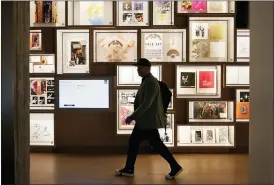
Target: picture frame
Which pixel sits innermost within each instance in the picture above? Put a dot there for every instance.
(90, 13)
(171, 104)
(243, 45)
(211, 39)
(35, 40)
(132, 13)
(237, 76)
(73, 51)
(42, 63)
(128, 75)
(125, 107)
(242, 105)
(42, 93)
(167, 136)
(163, 45)
(209, 135)
(198, 81)
(42, 129)
(115, 46)
(205, 7)
(47, 13)
(163, 12)
(197, 135)
(211, 111)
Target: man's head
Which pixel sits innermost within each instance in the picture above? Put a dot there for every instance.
(143, 67)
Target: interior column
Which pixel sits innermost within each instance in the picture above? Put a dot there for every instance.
(15, 92)
(261, 129)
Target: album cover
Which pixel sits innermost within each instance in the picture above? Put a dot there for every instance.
(218, 31)
(92, 13)
(210, 110)
(242, 104)
(36, 40)
(200, 49)
(200, 31)
(197, 135)
(46, 12)
(206, 79)
(192, 6)
(209, 135)
(188, 80)
(41, 63)
(163, 12)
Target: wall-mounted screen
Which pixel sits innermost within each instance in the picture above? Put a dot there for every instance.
(42, 63)
(41, 129)
(84, 94)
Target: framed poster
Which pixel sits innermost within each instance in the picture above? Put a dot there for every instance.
(211, 39)
(128, 75)
(206, 6)
(41, 129)
(42, 93)
(168, 136)
(243, 45)
(171, 104)
(47, 13)
(198, 81)
(35, 40)
(211, 111)
(42, 63)
(242, 105)
(163, 12)
(125, 107)
(72, 51)
(90, 13)
(237, 75)
(204, 135)
(132, 13)
(115, 46)
(163, 45)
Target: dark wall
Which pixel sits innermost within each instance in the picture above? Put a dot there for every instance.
(84, 129)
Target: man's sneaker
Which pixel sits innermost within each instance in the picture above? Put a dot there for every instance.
(124, 172)
(174, 172)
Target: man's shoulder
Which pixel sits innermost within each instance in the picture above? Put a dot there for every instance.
(152, 79)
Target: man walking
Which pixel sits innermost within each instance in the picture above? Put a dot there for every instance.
(149, 117)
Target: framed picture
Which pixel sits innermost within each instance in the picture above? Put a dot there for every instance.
(90, 13)
(42, 93)
(132, 13)
(125, 107)
(128, 75)
(41, 129)
(237, 75)
(211, 111)
(243, 45)
(47, 13)
(167, 136)
(242, 105)
(211, 39)
(35, 40)
(204, 135)
(115, 46)
(42, 63)
(171, 104)
(163, 12)
(206, 6)
(198, 81)
(164, 45)
(72, 51)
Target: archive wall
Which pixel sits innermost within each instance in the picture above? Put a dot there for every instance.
(83, 84)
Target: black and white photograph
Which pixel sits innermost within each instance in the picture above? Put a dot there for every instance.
(200, 49)
(127, 5)
(197, 136)
(244, 96)
(188, 80)
(199, 31)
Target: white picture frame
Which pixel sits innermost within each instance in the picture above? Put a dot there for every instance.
(42, 129)
(219, 111)
(243, 45)
(115, 46)
(58, 14)
(42, 63)
(168, 136)
(90, 13)
(237, 76)
(128, 75)
(163, 12)
(209, 135)
(211, 39)
(242, 105)
(163, 45)
(132, 13)
(188, 83)
(42, 93)
(35, 40)
(69, 42)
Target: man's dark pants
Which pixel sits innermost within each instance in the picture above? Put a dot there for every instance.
(153, 137)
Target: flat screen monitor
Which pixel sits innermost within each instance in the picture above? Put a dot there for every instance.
(84, 94)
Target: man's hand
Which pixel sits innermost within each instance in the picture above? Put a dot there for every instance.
(128, 120)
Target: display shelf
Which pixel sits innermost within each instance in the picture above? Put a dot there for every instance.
(219, 136)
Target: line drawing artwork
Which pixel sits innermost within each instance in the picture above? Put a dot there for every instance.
(39, 132)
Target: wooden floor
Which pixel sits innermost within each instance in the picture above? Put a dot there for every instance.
(150, 169)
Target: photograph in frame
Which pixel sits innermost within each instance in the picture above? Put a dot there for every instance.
(171, 104)
(197, 136)
(115, 46)
(222, 135)
(35, 40)
(210, 110)
(163, 12)
(209, 135)
(242, 105)
(42, 63)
